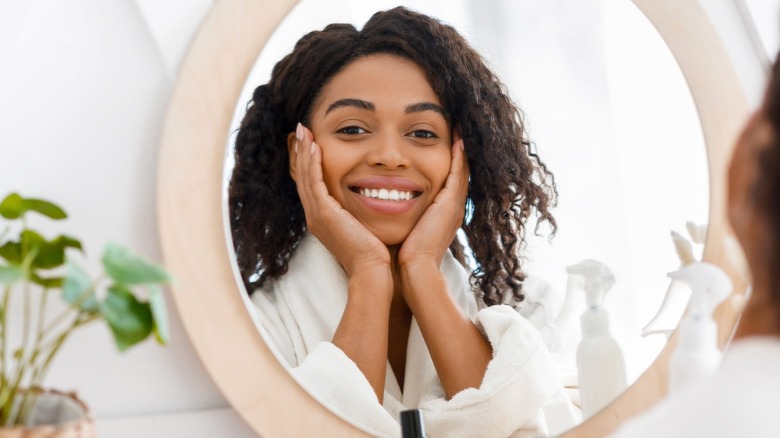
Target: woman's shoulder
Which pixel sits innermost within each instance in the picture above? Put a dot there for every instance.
(311, 267)
(314, 284)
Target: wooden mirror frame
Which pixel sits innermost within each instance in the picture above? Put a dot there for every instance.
(192, 232)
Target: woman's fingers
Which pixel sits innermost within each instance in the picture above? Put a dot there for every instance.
(460, 159)
(433, 234)
(312, 188)
(459, 169)
(318, 189)
(334, 226)
(306, 176)
(304, 141)
(457, 183)
(311, 162)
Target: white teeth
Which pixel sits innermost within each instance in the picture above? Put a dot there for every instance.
(387, 194)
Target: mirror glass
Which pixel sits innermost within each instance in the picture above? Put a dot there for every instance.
(610, 115)
(763, 16)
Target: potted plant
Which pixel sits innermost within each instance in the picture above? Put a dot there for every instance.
(126, 296)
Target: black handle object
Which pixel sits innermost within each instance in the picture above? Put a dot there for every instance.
(412, 424)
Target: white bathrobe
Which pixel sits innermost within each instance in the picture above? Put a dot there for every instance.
(739, 400)
(520, 392)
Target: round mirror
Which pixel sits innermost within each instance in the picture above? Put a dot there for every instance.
(610, 114)
(201, 109)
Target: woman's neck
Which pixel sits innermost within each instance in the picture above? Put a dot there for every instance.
(400, 320)
(761, 316)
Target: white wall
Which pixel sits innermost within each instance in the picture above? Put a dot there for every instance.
(83, 93)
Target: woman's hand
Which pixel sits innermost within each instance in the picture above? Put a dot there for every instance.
(461, 364)
(431, 237)
(362, 333)
(346, 238)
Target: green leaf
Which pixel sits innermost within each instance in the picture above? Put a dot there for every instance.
(46, 208)
(160, 315)
(12, 251)
(67, 242)
(127, 268)
(14, 207)
(9, 274)
(47, 282)
(31, 241)
(129, 319)
(77, 289)
(50, 253)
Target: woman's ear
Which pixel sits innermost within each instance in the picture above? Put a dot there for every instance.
(291, 140)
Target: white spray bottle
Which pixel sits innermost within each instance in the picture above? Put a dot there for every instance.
(600, 364)
(697, 354)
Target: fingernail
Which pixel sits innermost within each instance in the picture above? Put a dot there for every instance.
(312, 148)
(299, 132)
(296, 147)
(463, 148)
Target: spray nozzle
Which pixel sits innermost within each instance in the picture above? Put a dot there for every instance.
(709, 287)
(597, 280)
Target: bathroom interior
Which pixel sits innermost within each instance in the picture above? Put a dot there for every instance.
(125, 112)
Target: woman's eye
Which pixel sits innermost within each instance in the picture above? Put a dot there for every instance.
(421, 133)
(352, 130)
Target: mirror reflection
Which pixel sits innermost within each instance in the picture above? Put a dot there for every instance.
(344, 244)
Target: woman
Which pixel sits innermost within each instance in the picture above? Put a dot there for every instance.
(355, 167)
(741, 398)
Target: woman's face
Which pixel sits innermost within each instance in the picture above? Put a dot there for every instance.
(385, 143)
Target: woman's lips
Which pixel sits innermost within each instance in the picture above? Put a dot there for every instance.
(386, 206)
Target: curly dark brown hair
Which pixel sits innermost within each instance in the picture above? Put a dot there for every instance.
(508, 181)
(766, 189)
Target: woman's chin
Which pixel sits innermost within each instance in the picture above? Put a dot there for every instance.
(393, 241)
(391, 236)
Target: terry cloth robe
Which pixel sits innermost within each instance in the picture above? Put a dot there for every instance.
(739, 400)
(301, 310)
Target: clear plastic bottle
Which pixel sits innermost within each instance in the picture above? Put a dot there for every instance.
(601, 366)
(697, 354)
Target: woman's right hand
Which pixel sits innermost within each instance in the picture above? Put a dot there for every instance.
(362, 332)
(355, 248)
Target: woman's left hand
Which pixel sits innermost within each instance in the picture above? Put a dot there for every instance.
(431, 237)
(462, 364)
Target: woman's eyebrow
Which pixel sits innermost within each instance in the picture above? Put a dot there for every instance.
(357, 103)
(368, 106)
(425, 106)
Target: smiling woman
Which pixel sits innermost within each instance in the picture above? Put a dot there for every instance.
(263, 392)
(363, 295)
(385, 143)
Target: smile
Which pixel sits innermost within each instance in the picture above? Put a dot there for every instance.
(386, 194)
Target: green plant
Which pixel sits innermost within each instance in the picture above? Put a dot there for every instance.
(35, 267)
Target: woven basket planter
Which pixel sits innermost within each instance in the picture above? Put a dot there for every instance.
(55, 414)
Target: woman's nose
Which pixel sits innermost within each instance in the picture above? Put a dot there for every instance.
(388, 151)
